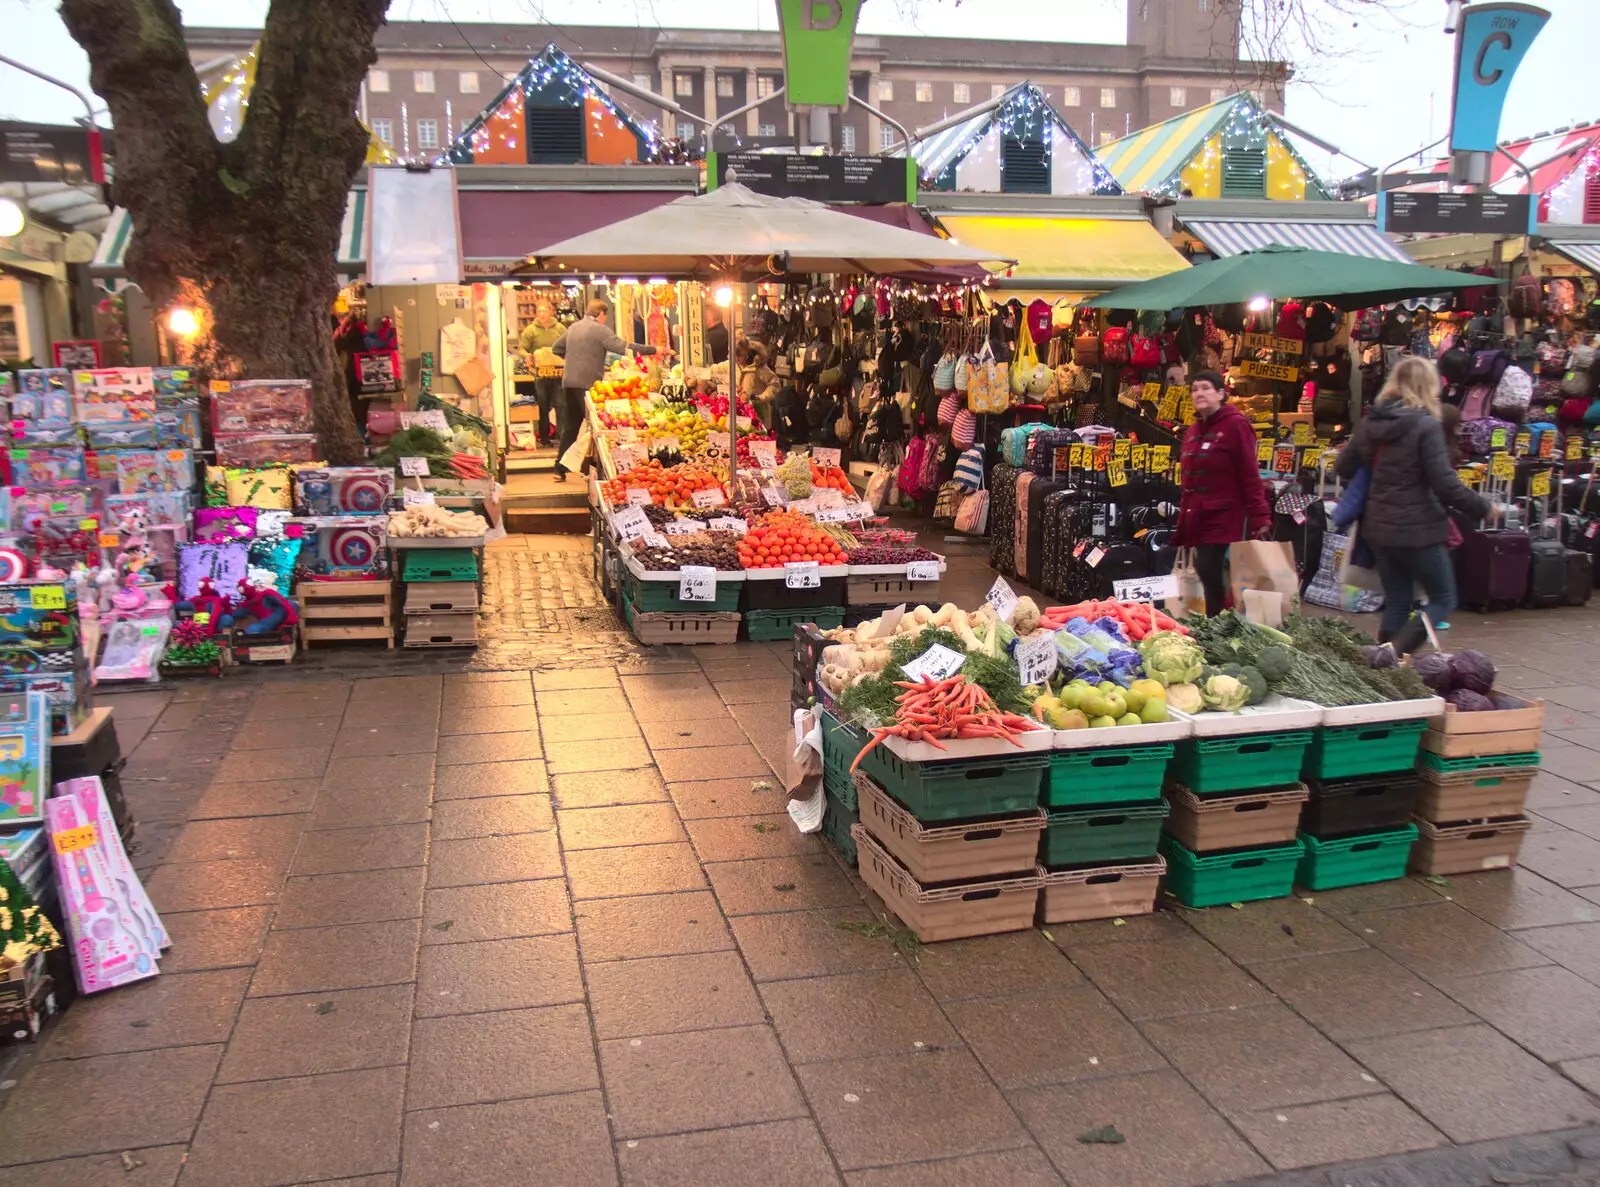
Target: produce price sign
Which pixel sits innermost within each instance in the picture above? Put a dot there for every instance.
(772, 496)
(823, 498)
(416, 498)
(1001, 597)
(638, 496)
(766, 453)
(697, 583)
(729, 523)
(711, 497)
(850, 511)
(683, 527)
(429, 418)
(619, 407)
(1145, 589)
(802, 575)
(1539, 486)
(625, 457)
(1036, 658)
(936, 663)
(632, 523)
(922, 571)
(825, 457)
(414, 467)
(668, 443)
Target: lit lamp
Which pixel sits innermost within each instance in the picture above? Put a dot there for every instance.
(1257, 304)
(11, 219)
(722, 295)
(183, 322)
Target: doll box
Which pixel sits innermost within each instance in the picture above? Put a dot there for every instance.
(38, 615)
(24, 758)
(66, 688)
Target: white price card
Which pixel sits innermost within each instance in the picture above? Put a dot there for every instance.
(619, 407)
(936, 663)
(668, 443)
(922, 571)
(825, 457)
(683, 527)
(772, 496)
(697, 583)
(802, 575)
(632, 523)
(1002, 599)
(416, 498)
(414, 467)
(837, 514)
(1036, 658)
(826, 499)
(655, 540)
(639, 497)
(765, 454)
(430, 418)
(626, 457)
(805, 506)
(1145, 589)
(1094, 557)
(710, 497)
(627, 434)
(729, 523)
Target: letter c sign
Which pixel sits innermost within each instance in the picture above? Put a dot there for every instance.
(1488, 78)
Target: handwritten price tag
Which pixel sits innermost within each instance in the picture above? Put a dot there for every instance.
(416, 498)
(639, 497)
(626, 457)
(48, 597)
(1502, 466)
(1002, 598)
(1160, 458)
(1116, 473)
(1302, 434)
(922, 571)
(1139, 457)
(802, 575)
(632, 523)
(1145, 589)
(766, 453)
(1575, 450)
(1263, 450)
(936, 663)
(1082, 455)
(1150, 394)
(772, 496)
(1036, 658)
(619, 407)
(683, 527)
(1121, 449)
(697, 583)
(825, 457)
(1539, 486)
(414, 467)
(729, 523)
(711, 497)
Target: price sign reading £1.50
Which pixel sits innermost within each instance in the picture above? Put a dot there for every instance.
(697, 583)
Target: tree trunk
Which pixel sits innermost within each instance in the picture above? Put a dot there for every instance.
(248, 229)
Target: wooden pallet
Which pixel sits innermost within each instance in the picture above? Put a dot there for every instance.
(345, 611)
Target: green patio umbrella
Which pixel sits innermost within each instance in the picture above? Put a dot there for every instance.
(1282, 273)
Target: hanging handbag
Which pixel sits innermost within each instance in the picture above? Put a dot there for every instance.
(949, 407)
(1027, 358)
(973, 515)
(964, 429)
(969, 468)
(1114, 346)
(948, 502)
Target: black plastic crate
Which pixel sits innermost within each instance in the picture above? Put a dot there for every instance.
(776, 595)
(1365, 803)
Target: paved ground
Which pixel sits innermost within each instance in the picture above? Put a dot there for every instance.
(549, 923)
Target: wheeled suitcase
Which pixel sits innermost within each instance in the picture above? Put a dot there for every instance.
(1492, 568)
(1019, 534)
(1547, 574)
(1039, 492)
(1580, 578)
(1073, 578)
(1058, 538)
(1002, 517)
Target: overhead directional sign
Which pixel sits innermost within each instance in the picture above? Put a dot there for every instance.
(1480, 213)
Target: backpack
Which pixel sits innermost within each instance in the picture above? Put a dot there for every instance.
(1552, 357)
(1488, 366)
(1395, 330)
(1145, 352)
(1114, 346)
(909, 477)
(1291, 321)
(1455, 365)
(1478, 434)
(1526, 299)
(1512, 394)
(1322, 322)
(1475, 404)
(1561, 297)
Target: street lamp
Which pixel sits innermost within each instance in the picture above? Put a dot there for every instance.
(11, 219)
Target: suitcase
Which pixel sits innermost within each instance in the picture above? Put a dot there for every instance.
(1580, 578)
(1547, 574)
(1002, 516)
(1019, 534)
(1492, 568)
(1121, 562)
(1073, 577)
(1039, 491)
(1057, 538)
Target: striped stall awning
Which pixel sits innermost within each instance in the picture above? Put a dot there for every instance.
(111, 255)
(1352, 239)
(1586, 254)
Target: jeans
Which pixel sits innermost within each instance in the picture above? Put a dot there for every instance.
(571, 416)
(1402, 570)
(548, 393)
(1208, 565)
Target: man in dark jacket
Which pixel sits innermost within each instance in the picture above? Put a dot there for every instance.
(1405, 521)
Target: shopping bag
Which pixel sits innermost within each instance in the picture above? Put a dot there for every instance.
(1266, 565)
(1325, 590)
(1352, 573)
(574, 457)
(973, 515)
(1191, 596)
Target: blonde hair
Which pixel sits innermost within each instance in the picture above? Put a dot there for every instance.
(1415, 383)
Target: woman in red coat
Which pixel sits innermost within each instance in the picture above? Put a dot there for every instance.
(1224, 500)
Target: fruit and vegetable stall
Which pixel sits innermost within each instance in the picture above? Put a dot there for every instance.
(993, 768)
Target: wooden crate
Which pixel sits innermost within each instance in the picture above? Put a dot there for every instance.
(441, 597)
(889, 591)
(342, 611)
(442, 630)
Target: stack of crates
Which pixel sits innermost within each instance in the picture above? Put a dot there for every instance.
(652, 607)
(1476, 770)
(441, 596)
(1103, 824)
(772, 610)
(1357, 826)
(840, 745)
(1236, 802)
(951, 845)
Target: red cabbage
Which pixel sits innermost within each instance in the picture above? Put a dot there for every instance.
(1434, 668)
(1379, 656)
(1473, 671)
(1468, 701)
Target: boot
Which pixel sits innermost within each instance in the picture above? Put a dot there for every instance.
(1411, 636)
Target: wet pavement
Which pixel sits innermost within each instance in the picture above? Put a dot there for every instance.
(537, 915)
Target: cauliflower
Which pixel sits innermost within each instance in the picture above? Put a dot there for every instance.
(1026, 616)
(1171, 658)
(1225, 693)
(1185, 698)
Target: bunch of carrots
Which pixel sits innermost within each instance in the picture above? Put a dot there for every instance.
(952, 708)
(1137, 619)
(468, 465)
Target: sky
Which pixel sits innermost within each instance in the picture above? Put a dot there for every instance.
(1378, 88)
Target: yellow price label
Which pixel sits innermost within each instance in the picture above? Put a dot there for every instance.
(1139, 457)
(81, 837)
(1263, 450)
(1115, 472)
(221, 385)
(110, 540)
(1102, 455)
(202, 618)
(48, 597)
(1502, 466)
(1539, 486)
(88, 525)
(1575, 450)
(1302, 434)
(1181, 390)
(1121, 448)
(1081, 455)
(1177, 473)
(1186, 411)
(1523, 442)
(1470, 475)
(1160, 458)
(1152, 392)
(1170, 403)
(1311, 457)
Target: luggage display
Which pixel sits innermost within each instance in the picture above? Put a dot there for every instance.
(1580, 578)
(1071, 578)
(1547, 574)
(1492, 568)
(1019, 534)
(1039, 491)
(1002, 517)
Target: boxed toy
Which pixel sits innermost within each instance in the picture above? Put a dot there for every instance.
(343, 490)
(43, 396)
(46, 465)
(265, 449)
(38, 615)
(24, 758)
(260, 406)
(62, 676)
(342, 546)
(114, 394)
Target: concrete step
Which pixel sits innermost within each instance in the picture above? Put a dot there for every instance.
(550, 521)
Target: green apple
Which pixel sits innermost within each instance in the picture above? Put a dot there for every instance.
(1068, 719)
(1092, 704)
(1154, 712)
(1134, 699)
(1106, 686)
(1116, 703)
(1042, 706)
(1130, 719)
(1102, 722)
(1071, 695)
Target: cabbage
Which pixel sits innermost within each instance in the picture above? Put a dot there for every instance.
(1502, 701)
(1379, 656)
(1472, 670)
(1434, 668)
(1468, 701)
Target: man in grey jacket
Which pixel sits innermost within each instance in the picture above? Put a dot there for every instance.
(584, 347)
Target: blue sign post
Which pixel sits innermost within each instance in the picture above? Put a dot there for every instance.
(1490, 45)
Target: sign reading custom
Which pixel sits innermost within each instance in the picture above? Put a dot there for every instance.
(1483, 213)
(873, 180)
(1490, 45)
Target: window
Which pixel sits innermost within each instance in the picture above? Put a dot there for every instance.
(469, 82)
(887, 136)
(422, 81)
(1072, 96)
(886, 90)
(1205, 5)
(1218, 94)
(724, 86)
(686, 131)
(961, 93)
(766, 129)
(683, 84)
(924, 92)
(1178, 96)
(765, 85)
(847, 138)
(1107, 137)
(427, 133)
(383, 130)
(645, 82)
(1108, 96)
(378, 82)
(996, 89)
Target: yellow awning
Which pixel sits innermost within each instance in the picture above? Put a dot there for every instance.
(1068, 254)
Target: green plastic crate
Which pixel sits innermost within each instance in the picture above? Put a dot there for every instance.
(1345, 751)
(1463, 766)
(836, 822)
(766, 625)
(961, 788)
(1238, 877)
(1244, 762)
(1102, 836)
(440, 564)
(1106, 775)
(655, 597)
(840, 745)
(1355, 861)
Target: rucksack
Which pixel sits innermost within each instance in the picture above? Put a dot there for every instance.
(1488, 366)
(1114, 346)
(1526, 299)
(1512, 394)
(1145, 352)
(1292, 321)
(1396, 327)
(1561, 297)
(1322, 322)
(1455, 364)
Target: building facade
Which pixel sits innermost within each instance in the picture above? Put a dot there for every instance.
(432, 78)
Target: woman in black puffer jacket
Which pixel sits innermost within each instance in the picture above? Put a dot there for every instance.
(1413, 484)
